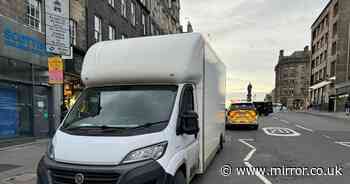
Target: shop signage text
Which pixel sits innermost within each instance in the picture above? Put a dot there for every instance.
(55, 70)
(23, 42)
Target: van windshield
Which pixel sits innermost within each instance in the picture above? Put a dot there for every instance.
(121, 108)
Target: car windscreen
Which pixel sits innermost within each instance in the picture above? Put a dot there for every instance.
(123, 107)
(242, 106)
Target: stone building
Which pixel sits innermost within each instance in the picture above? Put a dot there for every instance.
(329, 66)
(165, 16)
(291, 79)
(24, 90)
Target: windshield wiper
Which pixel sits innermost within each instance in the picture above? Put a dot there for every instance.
(101, 127)
(146, 125)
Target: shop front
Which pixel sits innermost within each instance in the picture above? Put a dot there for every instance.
(24, 92)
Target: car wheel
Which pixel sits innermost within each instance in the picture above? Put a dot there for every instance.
(255, 127)
(180, 178)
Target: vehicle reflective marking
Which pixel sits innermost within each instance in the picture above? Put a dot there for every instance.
(285, 121)
(279, 131)
(258, 174)
(307, 129)
(346, 144)
(250, 154)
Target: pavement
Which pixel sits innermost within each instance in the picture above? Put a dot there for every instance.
(18, 163)
(287, 140)
(340, 115)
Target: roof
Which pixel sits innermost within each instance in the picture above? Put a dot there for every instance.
(157, 59)
(320, 15)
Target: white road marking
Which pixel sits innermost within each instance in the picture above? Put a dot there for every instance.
(285, 121)
(275, 118)
(250, 154)
(328, 137)
(346, 144)
(258, 174)
(304, 128)
(279, 131)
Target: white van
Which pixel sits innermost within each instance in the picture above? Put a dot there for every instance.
(153, 112)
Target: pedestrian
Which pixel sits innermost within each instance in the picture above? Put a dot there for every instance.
(347, 107)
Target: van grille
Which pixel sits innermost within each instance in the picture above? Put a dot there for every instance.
(68, 177)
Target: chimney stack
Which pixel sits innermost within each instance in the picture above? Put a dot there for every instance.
(281, 53)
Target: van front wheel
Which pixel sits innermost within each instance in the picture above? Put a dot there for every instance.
(180, 178)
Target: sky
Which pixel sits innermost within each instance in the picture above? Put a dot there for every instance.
(248, 34)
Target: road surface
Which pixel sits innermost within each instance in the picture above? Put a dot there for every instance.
(284, 140)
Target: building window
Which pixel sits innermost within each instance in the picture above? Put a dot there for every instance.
(144, 24)
(73, 32)
(112, 3)
(33, 14)
(335, 29)
(133, 14)
(152, 29)
(111, 33)
(123, 8)
(334, 48)
(144, 2)
(333, 69)
(98, 29)
(169, 3)
(335, 9)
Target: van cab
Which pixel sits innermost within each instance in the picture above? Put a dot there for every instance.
(153, 114)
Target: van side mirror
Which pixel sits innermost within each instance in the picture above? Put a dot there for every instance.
(189, 123)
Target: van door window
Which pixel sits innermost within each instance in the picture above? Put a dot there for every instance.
(187, 100)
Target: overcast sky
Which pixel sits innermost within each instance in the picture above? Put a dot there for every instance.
(248, 34)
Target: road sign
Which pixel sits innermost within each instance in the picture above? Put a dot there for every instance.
(279, 131)
(57, 27)
(55, 70)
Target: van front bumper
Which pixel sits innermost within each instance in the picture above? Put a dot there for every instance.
(146, 172)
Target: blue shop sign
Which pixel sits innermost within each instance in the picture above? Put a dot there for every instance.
(23, 42)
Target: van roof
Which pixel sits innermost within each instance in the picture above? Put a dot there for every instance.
(176, 58)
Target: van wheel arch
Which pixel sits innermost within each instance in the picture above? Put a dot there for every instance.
(180, 175)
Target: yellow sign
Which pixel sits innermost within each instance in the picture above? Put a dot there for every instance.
(55, 70)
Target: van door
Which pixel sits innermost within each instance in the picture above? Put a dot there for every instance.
(191, 141)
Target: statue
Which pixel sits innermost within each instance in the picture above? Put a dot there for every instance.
(249, 95)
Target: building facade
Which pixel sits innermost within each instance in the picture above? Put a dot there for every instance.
(24, 91)
(291, 79)
(329, 66)
(26, 98)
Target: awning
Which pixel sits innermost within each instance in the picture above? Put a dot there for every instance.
(320, 85)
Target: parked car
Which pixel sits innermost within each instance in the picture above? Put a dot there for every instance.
(150, 114)
(242, 115)
(263, 108)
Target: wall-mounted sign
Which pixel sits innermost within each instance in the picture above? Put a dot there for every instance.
(22, 43)
(55, 70)
(57, 27)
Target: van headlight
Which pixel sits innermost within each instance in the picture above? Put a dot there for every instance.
(155, 152)
(50, 151)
